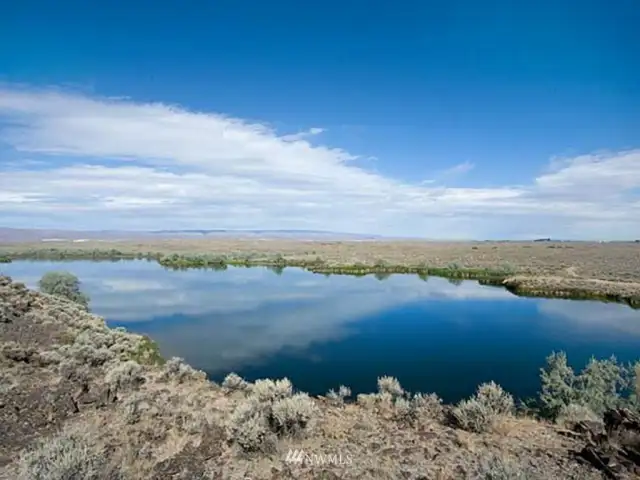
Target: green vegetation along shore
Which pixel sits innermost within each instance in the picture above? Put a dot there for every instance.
(80, 400)
(520, 280)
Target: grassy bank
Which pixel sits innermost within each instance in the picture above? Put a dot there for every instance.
(320, 266)
(220, 262)
(575, 289)
(80, 400)
(632, 301)
(520, 279)
(61, 254)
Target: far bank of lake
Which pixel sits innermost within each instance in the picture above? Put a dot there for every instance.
(604, 271)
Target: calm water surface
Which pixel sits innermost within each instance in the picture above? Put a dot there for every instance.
(321, 332)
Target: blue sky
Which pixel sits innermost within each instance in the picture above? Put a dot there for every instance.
(434, 119)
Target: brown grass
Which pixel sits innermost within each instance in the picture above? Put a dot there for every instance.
(616, 261)
(604, 271)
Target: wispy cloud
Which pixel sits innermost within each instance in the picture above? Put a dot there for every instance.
(459, 169)
(449, 174)
(115, 163)
(301, 135)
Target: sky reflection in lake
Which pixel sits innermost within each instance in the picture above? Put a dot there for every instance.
(325, 331)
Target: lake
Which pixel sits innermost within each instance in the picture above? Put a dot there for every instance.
(323, 331)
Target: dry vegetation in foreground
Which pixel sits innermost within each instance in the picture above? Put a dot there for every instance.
(81, 401)
(605, 271)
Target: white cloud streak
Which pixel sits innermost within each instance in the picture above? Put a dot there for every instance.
(459, 169)
(113, 163)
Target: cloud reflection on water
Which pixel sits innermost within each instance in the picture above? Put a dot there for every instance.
(588, 318)
(227, 320)
(231, 318)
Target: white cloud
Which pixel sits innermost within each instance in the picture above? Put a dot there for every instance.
(450, 173)
(592, 318)
(607, 173)
(460, 169)
(106, 163)
(301, 135)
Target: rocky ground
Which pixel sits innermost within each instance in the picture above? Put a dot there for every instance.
(81, 401)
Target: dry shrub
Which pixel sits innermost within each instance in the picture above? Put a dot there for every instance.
(134, 407)
(7, 381)
(50, 357)
(570, 415)
(479, 413)
(473, 416)
(344, 392)
(270, 411)
(17, 352)
(72, 369)
(338, 398)
(404, 410)
(266, 390)
(124, 375)
(234, 382)
(390, 385)
(293, 415)
(192, 421)
(493, 396)
(167, 412)
(7, 315)
(385, 400)
(128, 346)
(71, 455)
(248, 427)
(499, 467)
(367, 401)
(96, 338)
(428, 406)
(177, 369)
(87, 354)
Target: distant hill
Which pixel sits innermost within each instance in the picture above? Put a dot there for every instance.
(51, 235)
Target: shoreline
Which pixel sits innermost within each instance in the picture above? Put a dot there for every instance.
(490, 263)
(108, 399)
